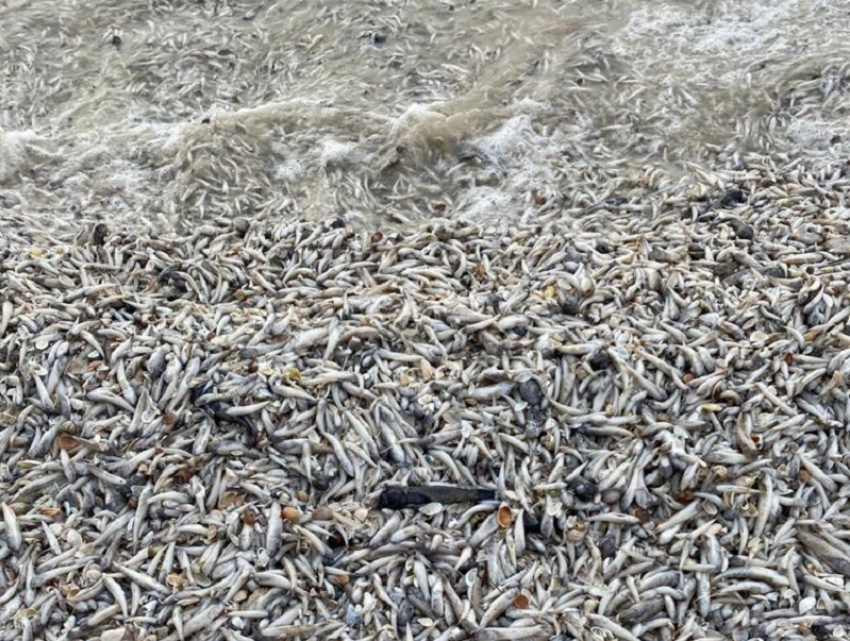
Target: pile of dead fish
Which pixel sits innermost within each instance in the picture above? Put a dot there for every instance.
(626, 427)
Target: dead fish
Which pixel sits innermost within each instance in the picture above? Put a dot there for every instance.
(399, 498)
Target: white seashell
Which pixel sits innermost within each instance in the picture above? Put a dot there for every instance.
(432, 509)
(807, 604)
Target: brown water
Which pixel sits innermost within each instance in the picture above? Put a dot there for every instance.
(158, 114)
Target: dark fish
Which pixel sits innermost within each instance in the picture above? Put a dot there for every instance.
(218, 410)
(530, 392)
(642, 611)
(838, 564)
(399, 498)
(600, 360)
(696, 250)
(583, 489)
(732, 198)
(608, 547)
(530, 523)
(742, 229)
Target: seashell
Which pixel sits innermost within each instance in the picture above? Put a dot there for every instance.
(340, 580)
(431, 509)
(66, 442)
(230, 498)
(577, 532)
(322, 513)
(92, 573)
(250, 515)
(290, 514)
(175, 580)
(504, 516)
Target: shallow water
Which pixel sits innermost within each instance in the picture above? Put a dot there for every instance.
(159, 114)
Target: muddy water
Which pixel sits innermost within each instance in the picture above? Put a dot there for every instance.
(160, 114)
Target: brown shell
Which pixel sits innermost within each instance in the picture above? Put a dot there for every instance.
(66, 442)
(521, 601)
(290, 514)
(322, 513)
(504, 517)
(340, 580)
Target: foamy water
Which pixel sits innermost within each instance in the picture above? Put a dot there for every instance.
(160, 114)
